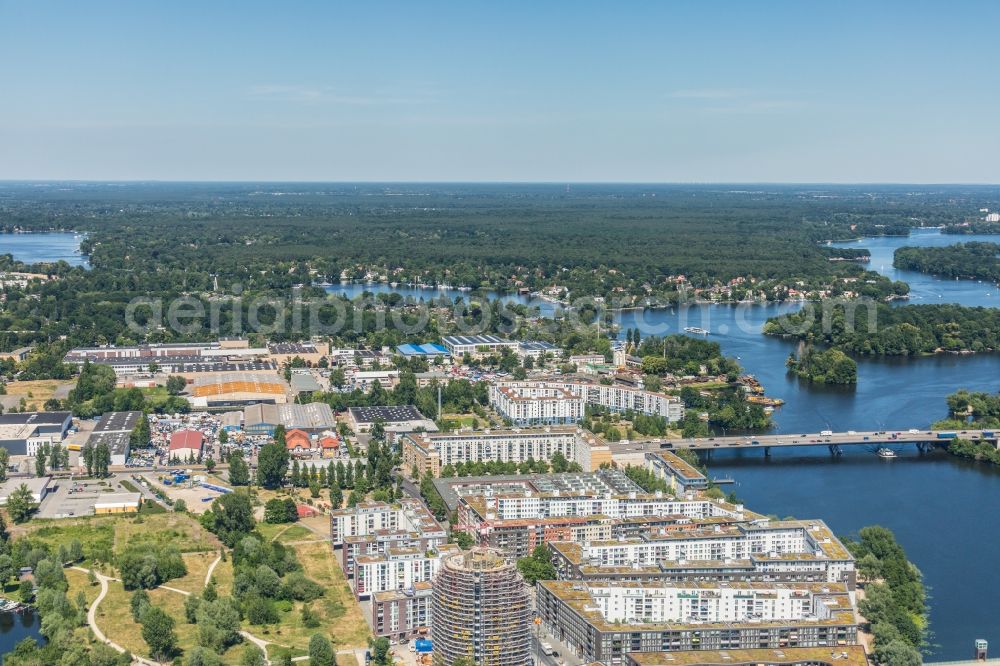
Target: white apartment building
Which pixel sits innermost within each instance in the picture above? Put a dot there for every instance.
(534, 505)
(680, 602)
(368, 518)
(536, 403)
(767, 547)
(429, 452)
(529, 400)
(397, 569)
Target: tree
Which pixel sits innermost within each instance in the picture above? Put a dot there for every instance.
(40, 460)
(275, 511)
(139, 604)
(158, 632)
(191, 604)
(218, 624)
(272, 464)
(239, 471)
(320, 651)
(232, 517)
(4, 463)
(209, 465)
(336, 497)
(899, 653)
(21, 504)
(102, 460)
(538, 566)
(176, 384)
(252, 656)
(7, 569)
(380, 651)
(180, 506)
(88, 457)
(223, 437)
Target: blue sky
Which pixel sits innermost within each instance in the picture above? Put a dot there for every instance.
(501, 91)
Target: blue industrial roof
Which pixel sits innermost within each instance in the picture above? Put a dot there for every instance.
(429, 349)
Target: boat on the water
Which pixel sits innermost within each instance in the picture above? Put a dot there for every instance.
(696, 330)
(885, 452)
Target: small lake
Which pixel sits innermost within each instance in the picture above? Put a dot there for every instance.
(15, 627)
(44, 247)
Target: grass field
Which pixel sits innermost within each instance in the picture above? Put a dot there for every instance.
(284, 533)
(157, 531)
(197, 566)
(114, 617)
(78, 583)
(36, 392)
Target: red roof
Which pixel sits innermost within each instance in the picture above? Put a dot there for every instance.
(305, 511)
(329, 443)
(186, 439)
(297, 439)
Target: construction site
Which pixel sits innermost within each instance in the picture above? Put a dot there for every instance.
(481, 610)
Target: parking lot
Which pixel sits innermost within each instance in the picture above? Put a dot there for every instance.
(67, 497)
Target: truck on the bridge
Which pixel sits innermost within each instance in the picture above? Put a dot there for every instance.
(826, 433)
(947, 435)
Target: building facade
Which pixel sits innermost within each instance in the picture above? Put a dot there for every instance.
(536, 403)
(429, 452)
(606, 621)
(481, 610)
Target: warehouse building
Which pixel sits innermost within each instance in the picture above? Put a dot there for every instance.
(24, 433)
(537, 350)
(38, 486)
(118, 503)
(429, 350)
(230, 389)
(114, 430)
(310, 353)
(186, 445)
(477, 346)
(262, 419)
(396, 419)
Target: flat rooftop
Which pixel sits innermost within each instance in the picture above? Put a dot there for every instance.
(847, 655)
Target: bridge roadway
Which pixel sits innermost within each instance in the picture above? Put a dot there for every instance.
(921, 438)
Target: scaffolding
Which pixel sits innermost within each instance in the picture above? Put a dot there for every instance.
(481, 611)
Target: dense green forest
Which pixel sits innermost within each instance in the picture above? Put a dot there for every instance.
(226, 246)
(976, 227)
(971, 261)
(621, 242)
(829, 366)
(882, 330)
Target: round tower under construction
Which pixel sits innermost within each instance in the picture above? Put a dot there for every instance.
(481, 611)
